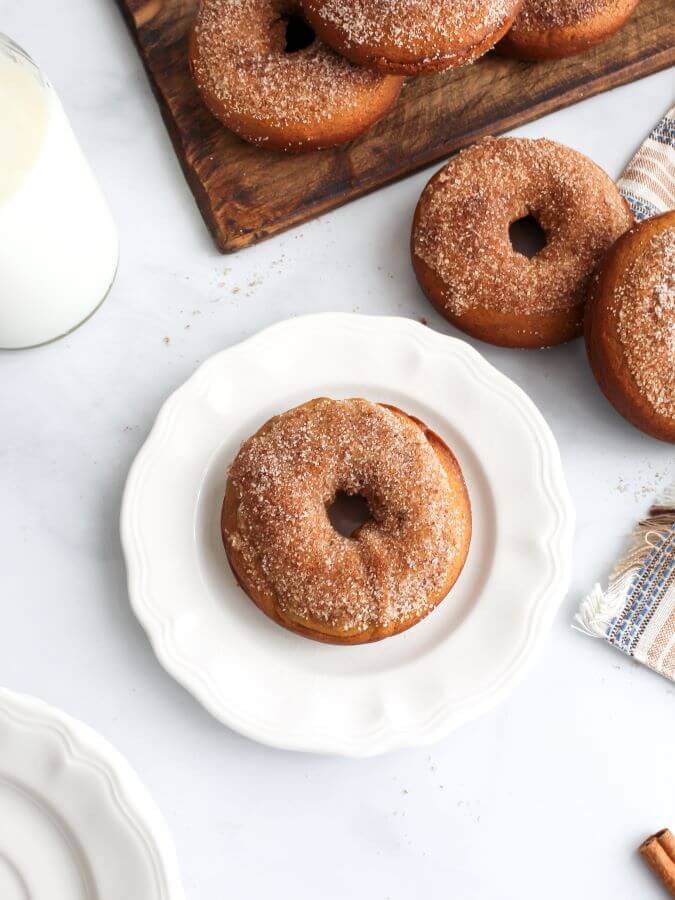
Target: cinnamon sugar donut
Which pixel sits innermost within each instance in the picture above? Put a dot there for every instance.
(630, 326)
(464, 259)
(394, 569)
(270, 93)
(411, 37)
(552, 29)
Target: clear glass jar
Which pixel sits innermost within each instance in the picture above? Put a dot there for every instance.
(58, 242)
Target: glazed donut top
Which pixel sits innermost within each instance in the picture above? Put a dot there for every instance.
(541, 15)
(413, 26)
(462, 231)
(286, 476)
(239, 58)
(645, 304)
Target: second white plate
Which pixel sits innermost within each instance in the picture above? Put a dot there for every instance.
(75, 821)
(283, 689)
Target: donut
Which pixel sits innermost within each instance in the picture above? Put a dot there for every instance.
(552, 29)
(261, 71)
(463, 256)
(630, 326)
(299, 570)
(411, 37)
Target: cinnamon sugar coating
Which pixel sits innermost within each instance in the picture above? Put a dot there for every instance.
(411, 36)
(553, 29)
(311, 97)
(630, 326)
(645, 309)
(463, 255)
(541, 14)
(387, 575)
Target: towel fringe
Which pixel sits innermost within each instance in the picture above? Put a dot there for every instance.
(599, 608)
(596, 612)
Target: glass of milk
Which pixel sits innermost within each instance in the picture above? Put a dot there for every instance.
(58, 243)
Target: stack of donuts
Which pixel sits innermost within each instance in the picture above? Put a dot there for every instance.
(299, 75)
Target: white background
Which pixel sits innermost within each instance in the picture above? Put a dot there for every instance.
(546, 796)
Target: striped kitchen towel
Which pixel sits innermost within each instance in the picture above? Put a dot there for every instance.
(637, 611)
(648, 182)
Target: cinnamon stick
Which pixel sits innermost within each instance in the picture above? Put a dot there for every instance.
(658, 851)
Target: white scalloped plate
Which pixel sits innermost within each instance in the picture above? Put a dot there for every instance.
(75, 821)
(291, 692)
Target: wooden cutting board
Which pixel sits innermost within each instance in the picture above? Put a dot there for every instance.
(246, 193)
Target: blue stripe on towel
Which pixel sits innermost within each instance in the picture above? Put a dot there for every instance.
(644, 594)
(641, 208)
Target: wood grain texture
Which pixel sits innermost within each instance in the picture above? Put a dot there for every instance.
(246, 193)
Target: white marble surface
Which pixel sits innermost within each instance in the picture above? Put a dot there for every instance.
(546, 796)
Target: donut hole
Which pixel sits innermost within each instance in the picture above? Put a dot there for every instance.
(299, 34)
(527, 236)
(348, 512)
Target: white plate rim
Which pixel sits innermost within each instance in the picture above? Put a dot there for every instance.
(542, 607)
(118, 784)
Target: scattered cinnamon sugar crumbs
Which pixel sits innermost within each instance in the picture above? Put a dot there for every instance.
(646, 321)
(289, 472)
